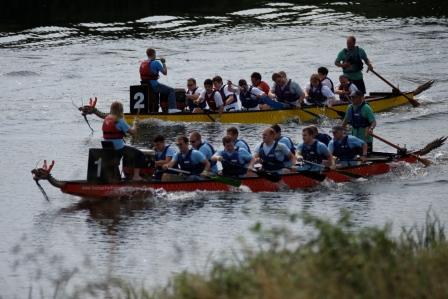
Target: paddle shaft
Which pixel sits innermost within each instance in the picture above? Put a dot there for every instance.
(346, 173)
(425, 162)
(411, 100)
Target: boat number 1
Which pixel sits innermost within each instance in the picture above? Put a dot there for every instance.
(139, 97)
(98, 167)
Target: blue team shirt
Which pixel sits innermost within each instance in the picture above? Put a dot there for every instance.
(196, 157)
(322, 150)
(207, 152)
(170, 152)
(286, 141)
(281, 152)
(244, 157)
(156, 67)
(124, 127)
(241, 144)
(352, 141)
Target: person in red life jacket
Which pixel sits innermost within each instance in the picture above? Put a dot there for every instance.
(149, 73)
(273, 155)
(192, 94)
(234, 160)
(233, 133)
(346, 148)
(163, 154)
(322, 137)
(114, 130)
(190, 160)
(318, 94)
(323, 77)
(350, 60)
(229, 98)
(286, 92)
(346, 89)
(209, 100)
(255, 78)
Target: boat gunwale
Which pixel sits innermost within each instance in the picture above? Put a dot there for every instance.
(214, 113)
(392, 158)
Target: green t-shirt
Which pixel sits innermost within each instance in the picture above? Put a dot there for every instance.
(352, 75)
(366, 112)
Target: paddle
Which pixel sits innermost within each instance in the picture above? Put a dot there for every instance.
(346, 173)
(424, 161)
(341, 114)
(273, 177)
(218, 178)
(411, 100)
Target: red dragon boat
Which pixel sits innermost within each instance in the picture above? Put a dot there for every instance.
(379, 163)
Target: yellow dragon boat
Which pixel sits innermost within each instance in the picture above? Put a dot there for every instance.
(379, 101)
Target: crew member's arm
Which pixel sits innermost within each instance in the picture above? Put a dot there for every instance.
(219, 104)
(160, 163)
(370, 117)
(296, 89)
(255, 159)
(124, 127)
(216, 157)
(372, 127)
(363, 56)
(164, 69)
(340, 60)
(292, 158)
(206, 165)
(231, 87)
(171, 163)
(329, 95)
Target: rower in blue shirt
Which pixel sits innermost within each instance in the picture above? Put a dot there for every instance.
(234, 160)
(274, 156)
(205, 148)
(347, 147)
(163, 154)
(190, 160)
(315, 154)
(284, 140)
(233, 133)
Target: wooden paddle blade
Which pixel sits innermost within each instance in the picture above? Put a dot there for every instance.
(424, 161)
(431, 146)
(313, 175)
(273, 177)
(226, 180)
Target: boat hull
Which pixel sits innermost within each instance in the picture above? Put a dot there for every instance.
(378, 104)
(254, 184)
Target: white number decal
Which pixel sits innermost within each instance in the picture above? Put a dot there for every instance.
(139, 97)
(98, 167)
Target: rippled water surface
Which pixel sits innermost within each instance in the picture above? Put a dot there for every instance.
(44, 69)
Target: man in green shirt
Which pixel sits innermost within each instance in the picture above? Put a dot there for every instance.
(360, 117)
(350, 60)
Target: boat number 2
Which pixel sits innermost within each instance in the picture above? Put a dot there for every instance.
(98, 167)
(139, 97)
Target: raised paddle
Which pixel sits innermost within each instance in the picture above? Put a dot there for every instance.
(424, 161)
(413, 102)
(218, 178)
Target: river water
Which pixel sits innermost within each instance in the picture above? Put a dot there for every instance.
(44, 69)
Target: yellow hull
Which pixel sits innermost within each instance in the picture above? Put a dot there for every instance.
(378, 104)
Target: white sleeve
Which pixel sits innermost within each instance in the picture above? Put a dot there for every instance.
(218, 99)
(353, 89)
(199, 91)
(327, 92)
(202, 96)
(256, 91)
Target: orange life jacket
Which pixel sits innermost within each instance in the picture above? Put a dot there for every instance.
(145, 71)
(110, 130)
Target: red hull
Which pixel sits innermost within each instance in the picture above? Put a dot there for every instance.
(255, 184)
